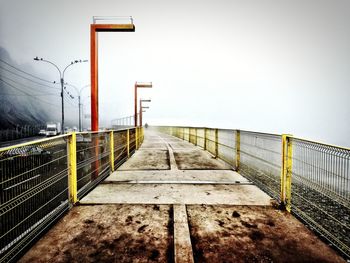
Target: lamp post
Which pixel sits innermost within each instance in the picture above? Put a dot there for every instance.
(141, 108)
(139, 85)
(61, 80)
(78, 91)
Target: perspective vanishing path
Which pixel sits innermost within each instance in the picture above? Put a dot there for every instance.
(173, 202)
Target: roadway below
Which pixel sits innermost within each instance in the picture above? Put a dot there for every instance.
(173, 202)
(18, 141)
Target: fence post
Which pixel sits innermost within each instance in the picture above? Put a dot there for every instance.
(72, 168)
(111, 146)
(286, 171)
(128, 142)
(143, 135)
(216, 143)
(238, 149)
(195, 132)
(205, 139)
(136, 138)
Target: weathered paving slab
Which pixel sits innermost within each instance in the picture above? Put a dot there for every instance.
(214, 176)
(154, 145)
(182, 241)
(197, 159)
(180, 145)
(108, 233)
(147, 160)
(176, 194)
(253, 234)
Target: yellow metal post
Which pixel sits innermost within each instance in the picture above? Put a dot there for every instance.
(128, 142)
(289, 174)
(111, 145)
(216, 143)
(195, 132)
(136, 138)
(238, 149)
(72, 168)
(143, 135)
(286, 171)
(205, 139)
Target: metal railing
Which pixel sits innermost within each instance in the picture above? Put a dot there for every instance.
(309, 179)
(41, 180)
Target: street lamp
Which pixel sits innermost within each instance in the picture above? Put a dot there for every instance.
(141, 109)
(140, 85)
(78, 91)
(61, 80)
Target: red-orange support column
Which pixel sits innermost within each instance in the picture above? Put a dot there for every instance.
(135, 104)
(94, 29)
(94, 78)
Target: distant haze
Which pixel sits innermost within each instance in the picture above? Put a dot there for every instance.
(270, 66)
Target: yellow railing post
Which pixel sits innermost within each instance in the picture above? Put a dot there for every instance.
(111, 146)
(216, 143)
(136, 138)
(195, 132)
(143, 135)
(286, 171)
(128, 142)
(238, 149)
(72, 168)
(205, 139)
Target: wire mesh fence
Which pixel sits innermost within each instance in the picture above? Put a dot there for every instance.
(260, 160)
(36, 181)
(34, 191)
(321, 189)
(311, 179)
(121, 148)
(93, 150)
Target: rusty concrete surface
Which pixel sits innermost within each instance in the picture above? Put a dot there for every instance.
(108, 233)
(130, 216)
(215, 176)
(253, 234)
(197, 159)
(154, 145)
(176, 194)
(182, 241)
(146, 159)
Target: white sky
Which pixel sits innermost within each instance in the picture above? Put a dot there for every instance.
(271, 66)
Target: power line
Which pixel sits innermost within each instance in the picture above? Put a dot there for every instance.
(16, 88)
(28, 78)
(33, 76)
(22, 85)
(68, 101)
(19, 95)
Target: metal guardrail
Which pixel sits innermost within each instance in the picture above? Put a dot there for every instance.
(41, 180)
(310, 179)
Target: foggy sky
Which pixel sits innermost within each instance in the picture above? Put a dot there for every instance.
(270, 66)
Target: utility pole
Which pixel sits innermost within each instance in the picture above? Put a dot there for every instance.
(61, 80)
(139, 85)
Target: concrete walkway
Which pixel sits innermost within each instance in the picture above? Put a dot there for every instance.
(167, 170)
(173, 202)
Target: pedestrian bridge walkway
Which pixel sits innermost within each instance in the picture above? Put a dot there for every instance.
(172, 201)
